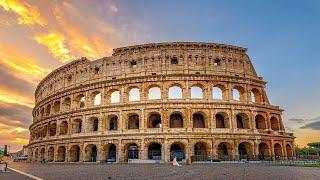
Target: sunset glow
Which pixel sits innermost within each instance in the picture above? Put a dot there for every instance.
(37, 37)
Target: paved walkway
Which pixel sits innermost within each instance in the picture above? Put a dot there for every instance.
(166, 171)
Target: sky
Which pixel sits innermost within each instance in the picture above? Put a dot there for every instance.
(282, 38)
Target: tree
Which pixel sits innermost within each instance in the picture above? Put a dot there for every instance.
(315, 146)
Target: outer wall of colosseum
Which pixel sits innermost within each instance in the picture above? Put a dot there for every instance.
(155, 101)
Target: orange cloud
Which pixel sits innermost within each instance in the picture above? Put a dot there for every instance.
(28, 14)
(90, 46)
(11, 97)
(21, 66)
(56, 45)
(15, 137)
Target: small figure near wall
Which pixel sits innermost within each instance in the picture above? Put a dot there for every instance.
(175, 162)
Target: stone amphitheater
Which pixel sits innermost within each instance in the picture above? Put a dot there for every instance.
(153, 102)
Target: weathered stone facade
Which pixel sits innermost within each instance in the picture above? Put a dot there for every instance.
(154, 101)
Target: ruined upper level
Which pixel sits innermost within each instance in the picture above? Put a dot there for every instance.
(152, 60)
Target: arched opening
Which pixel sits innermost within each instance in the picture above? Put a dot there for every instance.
(154, 120)
(75, 153)
(91, 152)
(196, 92)
(48, 109)
(66, 104)
(245, 150)
(154, 151)
(133, 121)
(113, 123)
(277, 151)
(77, 126)
(61, 154)
(176, 120)
(224, 151)
(42, 154)
(133, 151)
(264, 151)
(56, 107)
(198, 120)
(175, 92)
(256, 96)
(177, 150)
(80, 101)
(289, 151)
(50, 154)
(154, 93)
(217, 93)
(134, 94)
(52, 129)
(96, 98)
(115, 97)
(222, 120)
(200, 152)
(63, 128)
(260, 122)
(275, 125)
(242, 121)
(238, 93)
(112, 153)
(93, 124)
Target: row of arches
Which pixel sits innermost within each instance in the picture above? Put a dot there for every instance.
(219, 92)
(201, 150)
(155, 120)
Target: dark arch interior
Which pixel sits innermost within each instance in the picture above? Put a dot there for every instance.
(154, 151)
(176, 150)
(176, 121)
(220, 121)
(198, 121)
(154, 121)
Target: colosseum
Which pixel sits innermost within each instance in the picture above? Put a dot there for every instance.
(152, 102)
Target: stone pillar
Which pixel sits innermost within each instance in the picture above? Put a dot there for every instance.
(142, 123)
(236, 150)
(253, 120)
(121, 119)
(119, 154)
(272, 150)
(284, 150)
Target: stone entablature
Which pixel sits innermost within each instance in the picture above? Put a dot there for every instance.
(149, 101)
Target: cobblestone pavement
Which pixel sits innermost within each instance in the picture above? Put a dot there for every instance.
(167, 171)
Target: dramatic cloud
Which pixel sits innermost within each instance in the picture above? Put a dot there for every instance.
(27, 14)
(14, 121)
(12, 114)
(21, 65)
(56, 45)
(313, 125)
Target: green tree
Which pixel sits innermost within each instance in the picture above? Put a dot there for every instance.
(315, 146)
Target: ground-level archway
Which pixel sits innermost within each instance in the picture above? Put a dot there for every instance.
(264, 151)
(200, 152)
(110, 152)
(133, 151)
(91, 152)
(289, 151)
(277, 151)
(50, 156)
(224, 151)
(61, 154)
(75, 153)
(154, 151)
(245, 150)
(177, 150)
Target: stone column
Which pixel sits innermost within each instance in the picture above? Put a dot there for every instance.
(118, 152)
(272, 150)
